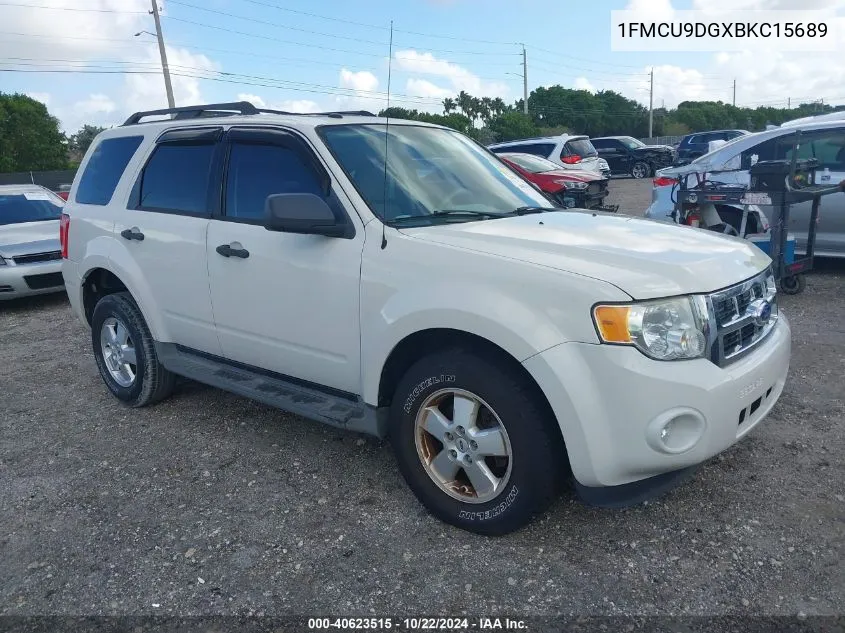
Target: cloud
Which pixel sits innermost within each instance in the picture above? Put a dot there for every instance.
(457, 77)
(581, 83)
(424, 88)
(287, 105)
(43, 97)
(362, 81)
(145, 92)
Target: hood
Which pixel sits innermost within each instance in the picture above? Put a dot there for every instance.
(644, 258)
(656, 148)
(28, 238)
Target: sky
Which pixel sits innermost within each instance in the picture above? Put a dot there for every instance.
(83, 58)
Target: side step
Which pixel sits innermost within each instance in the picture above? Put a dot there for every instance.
(348, 413)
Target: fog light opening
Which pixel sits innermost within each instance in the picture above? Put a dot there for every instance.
(676, 431)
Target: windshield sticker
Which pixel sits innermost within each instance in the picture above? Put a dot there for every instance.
(37, 195)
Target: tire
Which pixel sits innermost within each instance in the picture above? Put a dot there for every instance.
(118, 314)
(640, 169)
(528, 480)
(793, 285)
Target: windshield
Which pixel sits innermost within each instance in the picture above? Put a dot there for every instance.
(429, 170)
(631, 143)
(534, 164)
(28, 207)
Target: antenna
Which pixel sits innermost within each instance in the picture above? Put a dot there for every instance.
(386, 138)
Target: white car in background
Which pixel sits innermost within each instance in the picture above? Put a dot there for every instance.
(30, 254)
(824, 141)
(566, 150)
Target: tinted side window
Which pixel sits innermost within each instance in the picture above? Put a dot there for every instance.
(695, 140)
(600, 144)
(537, 149)
(104, 169)
(258, 171)
(176, 179)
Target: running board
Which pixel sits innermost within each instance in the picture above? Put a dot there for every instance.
(348, 412)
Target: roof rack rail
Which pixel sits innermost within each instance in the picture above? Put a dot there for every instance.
(231, 109)
(197, 111)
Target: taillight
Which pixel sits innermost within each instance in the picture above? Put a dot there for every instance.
(571, 160)
(663, 181)
(64, 229)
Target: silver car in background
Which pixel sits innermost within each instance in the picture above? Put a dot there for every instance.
(30, 254)
(824, 140)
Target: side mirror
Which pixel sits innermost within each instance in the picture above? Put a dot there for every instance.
(302, 213)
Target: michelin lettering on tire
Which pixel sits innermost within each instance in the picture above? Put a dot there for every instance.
(490, 514)
(425, 384)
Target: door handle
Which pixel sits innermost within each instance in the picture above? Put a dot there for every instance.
(132, 234)
(232, 250)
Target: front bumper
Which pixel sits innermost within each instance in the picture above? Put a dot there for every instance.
(26, 280)
(612, 402)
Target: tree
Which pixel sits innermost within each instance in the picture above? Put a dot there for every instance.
(79, 143)
(449, 105)
(30, 139)
(510, 126)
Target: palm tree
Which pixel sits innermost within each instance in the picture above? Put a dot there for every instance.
(449, 105)
(464, 102)
(485, 109)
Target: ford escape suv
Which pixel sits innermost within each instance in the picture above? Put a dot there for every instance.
(395, 278)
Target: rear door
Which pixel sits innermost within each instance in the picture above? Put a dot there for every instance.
(163, 230)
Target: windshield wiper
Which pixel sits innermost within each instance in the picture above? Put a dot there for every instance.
(446, 214)
(527, 210)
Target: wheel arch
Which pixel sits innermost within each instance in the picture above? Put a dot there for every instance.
(100, 281)
(418, 344)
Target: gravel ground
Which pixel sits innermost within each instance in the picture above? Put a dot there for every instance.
(212, 504)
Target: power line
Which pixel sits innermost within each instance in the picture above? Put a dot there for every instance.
(41, 6)
(581, 59)
(379, 26)
(322, 34)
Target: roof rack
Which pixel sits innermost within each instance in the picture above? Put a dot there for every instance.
(230, 109)
(193, 112)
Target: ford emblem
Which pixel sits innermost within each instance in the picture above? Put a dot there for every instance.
(760, 311)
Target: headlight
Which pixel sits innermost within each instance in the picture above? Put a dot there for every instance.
(574, 185)
(668, 329)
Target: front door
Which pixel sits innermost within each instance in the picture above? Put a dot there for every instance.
(283, 302)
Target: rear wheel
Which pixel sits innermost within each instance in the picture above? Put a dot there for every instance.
(474, 442)
(641, 169)
(125, 352)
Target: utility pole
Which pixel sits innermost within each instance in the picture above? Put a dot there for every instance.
(734, 92)
(164, 67)
(789, 103)
(524, 81)
(651, 105)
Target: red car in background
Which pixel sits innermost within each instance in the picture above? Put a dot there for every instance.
(567, 187)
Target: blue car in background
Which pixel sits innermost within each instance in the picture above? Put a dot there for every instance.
(694, 145)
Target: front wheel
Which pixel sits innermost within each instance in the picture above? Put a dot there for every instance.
(475, 443)
(641, 169)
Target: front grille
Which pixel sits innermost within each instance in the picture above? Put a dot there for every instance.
(40, 282)
(38, 257)
(736, 323)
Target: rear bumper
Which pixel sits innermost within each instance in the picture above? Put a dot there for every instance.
(26, 280)
(73, 284)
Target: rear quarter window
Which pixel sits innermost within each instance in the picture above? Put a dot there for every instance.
(104, 169)
(537, 149)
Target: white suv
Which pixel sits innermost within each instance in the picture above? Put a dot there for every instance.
(400, 280)
(568, 151)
